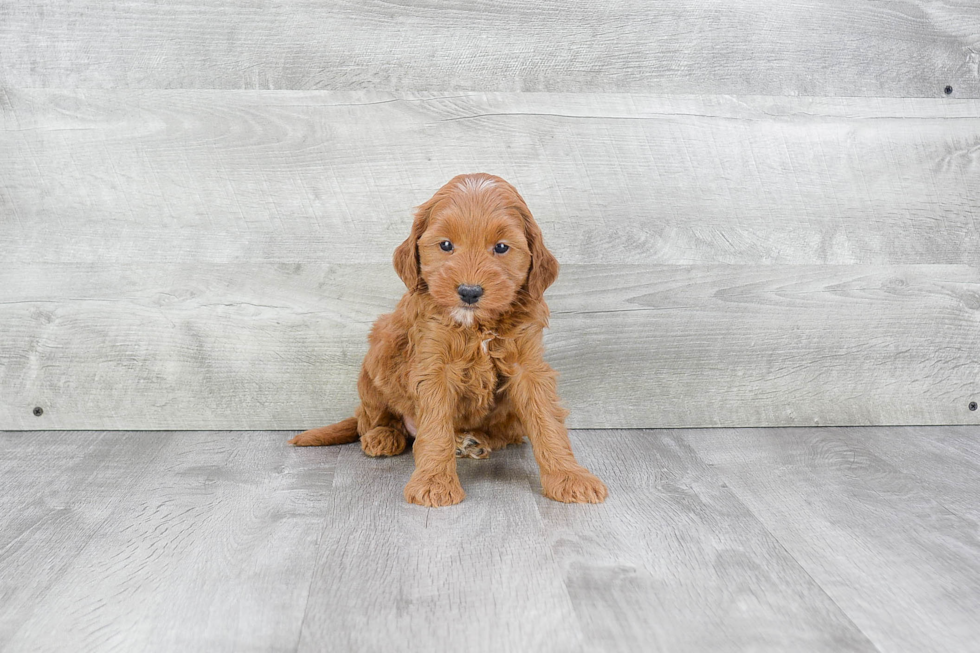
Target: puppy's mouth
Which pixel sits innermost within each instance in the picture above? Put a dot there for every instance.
(464, 314)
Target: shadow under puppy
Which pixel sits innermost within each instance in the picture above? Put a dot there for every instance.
(459, 365)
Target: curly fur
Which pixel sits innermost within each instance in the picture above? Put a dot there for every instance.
(449, 374)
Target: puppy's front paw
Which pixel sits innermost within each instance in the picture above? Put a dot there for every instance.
(574, 487)
(434, 491)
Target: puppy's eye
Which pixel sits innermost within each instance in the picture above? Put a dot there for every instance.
(446, 246)
(500, 248)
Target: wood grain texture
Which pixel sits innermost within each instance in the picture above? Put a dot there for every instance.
(815, 47)
(882, 545)
(671, 535)
(212, 549)
(775, 539)
(164, 176)
(477, 576)
(213, 259)
(57, 493)
(199, 345)
(944, 461)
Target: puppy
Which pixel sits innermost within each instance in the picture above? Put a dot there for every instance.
(459, 365)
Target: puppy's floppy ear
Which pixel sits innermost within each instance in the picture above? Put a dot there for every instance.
(406, 258)
(544, 266)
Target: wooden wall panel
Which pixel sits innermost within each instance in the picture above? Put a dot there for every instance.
(767, 214)
(812, 47)
(640, 179)
(263, 345)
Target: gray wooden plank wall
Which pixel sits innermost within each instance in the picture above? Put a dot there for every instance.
(763, 220)
(911, 48)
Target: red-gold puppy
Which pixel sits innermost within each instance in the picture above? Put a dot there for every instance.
(458, 366)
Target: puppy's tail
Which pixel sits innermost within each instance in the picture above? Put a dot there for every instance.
(340, 433)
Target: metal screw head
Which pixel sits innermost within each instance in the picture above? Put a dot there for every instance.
(948, 90)
(973, 405)
(38, 411)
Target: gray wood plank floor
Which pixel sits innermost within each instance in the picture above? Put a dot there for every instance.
(802, 539)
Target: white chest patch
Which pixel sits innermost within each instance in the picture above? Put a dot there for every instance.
(487, 339)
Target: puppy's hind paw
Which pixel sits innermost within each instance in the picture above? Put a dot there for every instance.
(383, 441)
(472, 444)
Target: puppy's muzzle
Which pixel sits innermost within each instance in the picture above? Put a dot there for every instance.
(470, 294)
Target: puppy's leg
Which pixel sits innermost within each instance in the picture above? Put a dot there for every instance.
(535, 397)
(435, 482)
(383, 433)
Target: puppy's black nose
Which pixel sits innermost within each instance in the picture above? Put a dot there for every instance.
(470, 294)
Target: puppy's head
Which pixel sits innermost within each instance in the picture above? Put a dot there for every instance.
(475, 248)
